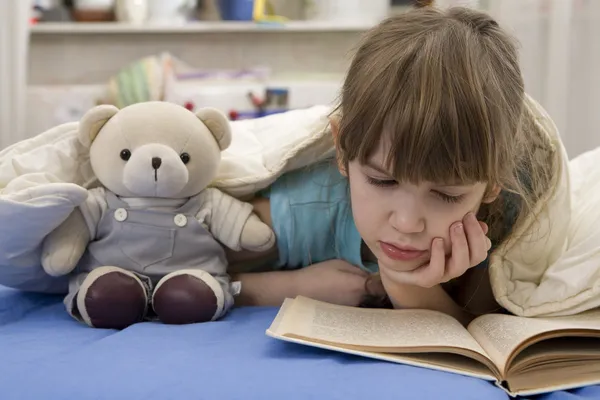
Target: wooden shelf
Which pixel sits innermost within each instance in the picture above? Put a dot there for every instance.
(195, 27)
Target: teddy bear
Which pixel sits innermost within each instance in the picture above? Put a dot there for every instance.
(148, 242)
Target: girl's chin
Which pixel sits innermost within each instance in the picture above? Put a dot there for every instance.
(402, 266)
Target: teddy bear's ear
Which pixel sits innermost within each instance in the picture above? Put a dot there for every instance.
(93, 120)
(218, 124)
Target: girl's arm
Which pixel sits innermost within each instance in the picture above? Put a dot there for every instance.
(473, 291)
(265, 288)
(333, 281)
(434, 298)
(338, 282)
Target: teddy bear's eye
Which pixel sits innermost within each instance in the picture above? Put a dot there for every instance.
(185, 157)
(125, 155)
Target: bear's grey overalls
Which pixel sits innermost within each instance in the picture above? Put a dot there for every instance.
(152, 244)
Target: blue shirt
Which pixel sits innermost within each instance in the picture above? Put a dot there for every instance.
(312, 218)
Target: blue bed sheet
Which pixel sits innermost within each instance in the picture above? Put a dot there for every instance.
(46, 355)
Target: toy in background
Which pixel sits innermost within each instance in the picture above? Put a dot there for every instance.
(274, 101)
(221, 89)
(242, 94)
(248, 92)
(148, 241)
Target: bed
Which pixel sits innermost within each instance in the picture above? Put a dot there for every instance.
(47, 355)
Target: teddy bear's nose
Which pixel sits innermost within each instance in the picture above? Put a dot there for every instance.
(156, 161)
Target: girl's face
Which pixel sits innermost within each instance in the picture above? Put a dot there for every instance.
(399, 221)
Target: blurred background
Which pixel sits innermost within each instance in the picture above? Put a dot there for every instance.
(252, 58)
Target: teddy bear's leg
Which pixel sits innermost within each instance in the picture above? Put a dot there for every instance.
(190, 296)
(111, 298)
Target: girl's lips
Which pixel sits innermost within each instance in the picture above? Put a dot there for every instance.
(400, 254)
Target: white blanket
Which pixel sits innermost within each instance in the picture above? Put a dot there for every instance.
(554, 269)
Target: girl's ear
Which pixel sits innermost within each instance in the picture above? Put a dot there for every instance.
(491, 194)
(335, 132)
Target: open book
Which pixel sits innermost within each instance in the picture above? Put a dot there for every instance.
(521, 355)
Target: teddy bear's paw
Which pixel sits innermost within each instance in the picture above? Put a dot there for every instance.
(58, 263)
(256, 235)
(61, 255)
(63, 247)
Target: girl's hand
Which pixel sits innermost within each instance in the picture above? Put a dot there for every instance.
(470, 247)
(333, 281)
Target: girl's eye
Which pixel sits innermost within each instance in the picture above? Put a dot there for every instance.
(381, 182)
(447, 198)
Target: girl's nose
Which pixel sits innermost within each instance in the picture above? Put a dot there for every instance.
(407, 218)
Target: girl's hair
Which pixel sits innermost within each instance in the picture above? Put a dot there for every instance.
(444, 90)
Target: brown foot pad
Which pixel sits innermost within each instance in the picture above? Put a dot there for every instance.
(115, 301)
(184, 299)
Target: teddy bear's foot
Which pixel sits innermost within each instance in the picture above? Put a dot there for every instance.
(112, 298)
(188, 296)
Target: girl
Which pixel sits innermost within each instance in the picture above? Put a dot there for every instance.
(434, 167)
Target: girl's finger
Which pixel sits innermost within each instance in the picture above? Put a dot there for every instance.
(427, 275)
(484, 227)
(433, 273)
(459, 259)
(374, 285)
(477, 241)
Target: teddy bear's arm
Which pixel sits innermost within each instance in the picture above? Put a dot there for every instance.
(64, 246)
(256, 235)
(233, 223)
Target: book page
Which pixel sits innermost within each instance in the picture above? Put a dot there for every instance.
(500, 335)
(559, 351)
(287, 303)
(556, 364)
(376, 329)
